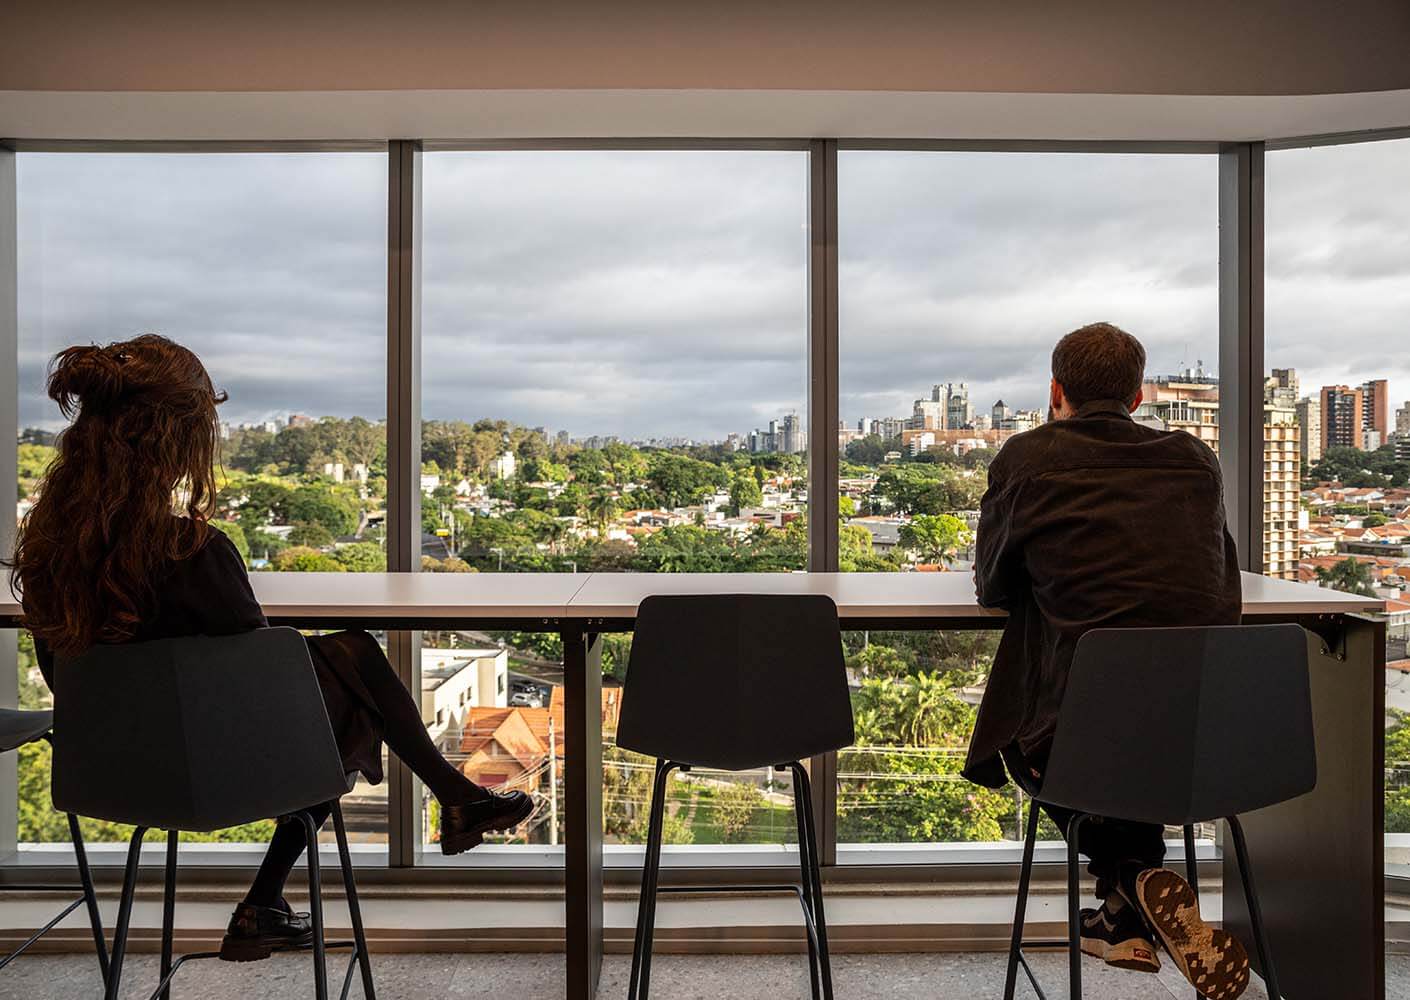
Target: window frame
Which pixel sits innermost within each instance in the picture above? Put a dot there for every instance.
(1241, 368)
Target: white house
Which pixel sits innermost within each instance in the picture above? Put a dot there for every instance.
(454, 680)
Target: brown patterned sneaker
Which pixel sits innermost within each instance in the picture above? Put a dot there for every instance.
(1212, 959)
(1116, 935)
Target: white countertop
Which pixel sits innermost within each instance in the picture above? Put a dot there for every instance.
(616, 595)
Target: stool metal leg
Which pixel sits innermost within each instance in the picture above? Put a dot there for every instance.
(1191, 868)
(85, 876)
(124, 918)
(800, 807)
(315, 908)
(803, 785)
(1074, 912)
(1255, 914)
(173, 840)
(364, 960)
(1030, 841)
(640, 982)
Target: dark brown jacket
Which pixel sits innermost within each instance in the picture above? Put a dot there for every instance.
(1091, 522)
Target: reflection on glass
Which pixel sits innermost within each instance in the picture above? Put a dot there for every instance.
(958, 272)
(1337, 458)
(270, 267)
(613, 380)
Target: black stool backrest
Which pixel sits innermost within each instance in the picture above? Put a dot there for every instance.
(736, 681)
(194, 734)
(1183, 725)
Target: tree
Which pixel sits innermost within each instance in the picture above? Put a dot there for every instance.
(876, 660)
(902, 781)
(451, 564)
(935, 538)
(236, 534)
(1349, 576)
(310, 534)
(744, 492)
(626, 791)
(362, 557)
(302, 559)
(681, 480)
(930, 489)
(318, 505)
(869, 450)
(602, 508)
(34, 461)
(734, 804)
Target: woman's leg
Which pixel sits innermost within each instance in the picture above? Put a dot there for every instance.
(406, 733)
(285, 848)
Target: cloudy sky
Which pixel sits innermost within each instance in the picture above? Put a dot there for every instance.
(650, 294)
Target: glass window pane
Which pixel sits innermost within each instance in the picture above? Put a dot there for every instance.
(272, 268)
(1337, 460)
(959, 272)
(614, 373)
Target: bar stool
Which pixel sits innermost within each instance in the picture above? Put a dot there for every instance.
(200, 734)
(17, 729)
(1175, 726)
(735, 682)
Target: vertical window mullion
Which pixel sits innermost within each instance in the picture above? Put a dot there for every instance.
(9, 432)
(823, 407)
(403, 452)
(1241, 345)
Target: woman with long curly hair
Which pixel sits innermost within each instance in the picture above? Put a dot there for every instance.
(119, 548)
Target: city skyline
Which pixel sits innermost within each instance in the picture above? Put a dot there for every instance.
(663, 294)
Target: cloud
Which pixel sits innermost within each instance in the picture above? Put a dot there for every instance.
(664, 293)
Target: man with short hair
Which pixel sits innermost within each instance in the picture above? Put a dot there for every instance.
(1095, 521)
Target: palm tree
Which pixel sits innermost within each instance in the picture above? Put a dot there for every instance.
(602, 507)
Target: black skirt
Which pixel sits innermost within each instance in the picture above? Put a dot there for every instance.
(339, 659)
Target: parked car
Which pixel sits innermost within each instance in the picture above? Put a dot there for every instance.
(525, 699)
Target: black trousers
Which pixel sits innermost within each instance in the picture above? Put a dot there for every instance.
(1113, 847)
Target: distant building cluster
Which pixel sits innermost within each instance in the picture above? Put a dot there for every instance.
(945, 419)
(785, 437)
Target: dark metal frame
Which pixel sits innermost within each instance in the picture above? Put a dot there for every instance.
(359, 959)
(1241, 353)
(87, 897)
(809, 890)
(1073, 943)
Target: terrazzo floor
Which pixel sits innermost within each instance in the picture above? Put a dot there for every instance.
(674, 977)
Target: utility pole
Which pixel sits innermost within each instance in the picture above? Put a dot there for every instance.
(552, 784)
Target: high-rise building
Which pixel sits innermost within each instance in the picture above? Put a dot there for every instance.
(885, 428)
(999, 412)
(958, 412)
(1280, 388)
(1190, 403)
(1309, 422)
(795, 437)
(1342, 417)
(929, 414)
(1402, 421)
(1282, 481)
(787, 435)
(1375, 413)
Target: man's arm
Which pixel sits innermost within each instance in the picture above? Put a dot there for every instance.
(999, 574)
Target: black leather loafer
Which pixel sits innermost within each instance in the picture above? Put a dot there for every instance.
(464, 826)
(257, 931)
